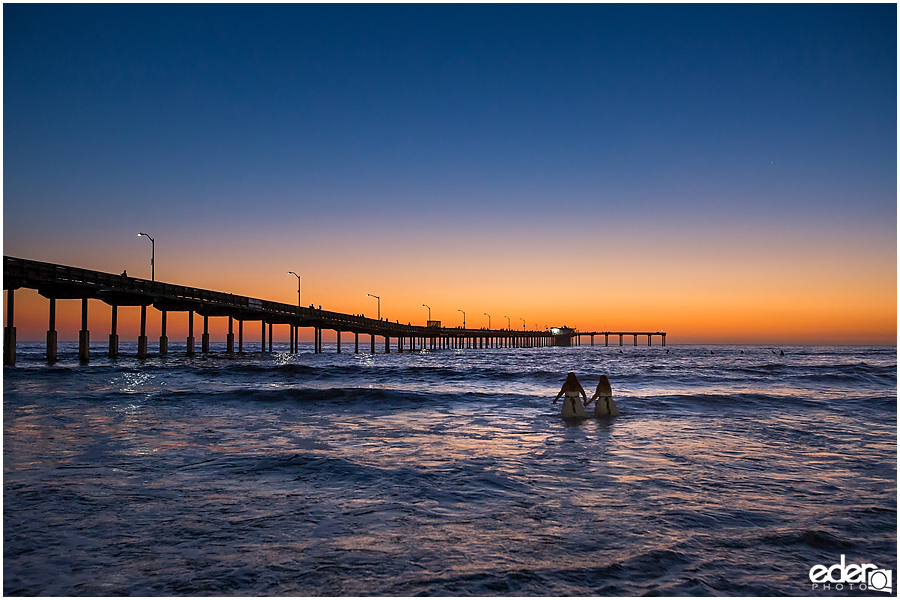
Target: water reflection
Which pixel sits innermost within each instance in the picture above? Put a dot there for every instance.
(390, 475)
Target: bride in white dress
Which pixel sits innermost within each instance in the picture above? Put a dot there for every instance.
(572, 406)
(606, 406)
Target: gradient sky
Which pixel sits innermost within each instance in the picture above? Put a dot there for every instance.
(727, 173)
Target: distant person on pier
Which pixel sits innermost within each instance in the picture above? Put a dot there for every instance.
(606, 406)
(572, 406)
(124, 273)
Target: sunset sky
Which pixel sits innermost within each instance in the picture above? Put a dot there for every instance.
(726, 173)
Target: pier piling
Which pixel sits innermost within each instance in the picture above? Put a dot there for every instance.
(113, 335)
(51, 333)
(204, 339)
(163, 338)
(9, 332)
(84, 336)
(142, 339)
(189, 350)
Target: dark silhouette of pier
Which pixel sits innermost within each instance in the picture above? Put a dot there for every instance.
(578, 335)
(60, 282)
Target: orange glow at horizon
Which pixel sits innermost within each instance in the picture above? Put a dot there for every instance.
(717, 299)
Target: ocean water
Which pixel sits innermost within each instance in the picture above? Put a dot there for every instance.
(732, 470)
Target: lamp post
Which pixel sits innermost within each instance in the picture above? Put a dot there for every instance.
(523, 323)
(379, 304)
(464, 316)
(489, 320)
(298, 286)
(152, 256)
(508, 325)
(429, 311)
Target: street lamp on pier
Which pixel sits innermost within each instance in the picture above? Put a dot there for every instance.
(508, 324)
(298, 287)
(464, 316)
(152, 256)
(379, 304)
(489, 320)
(523, 323)
(429, 311)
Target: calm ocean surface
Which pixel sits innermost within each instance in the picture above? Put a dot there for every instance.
(732, 470)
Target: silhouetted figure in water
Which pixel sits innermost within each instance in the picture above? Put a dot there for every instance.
(572, 406)
(605, 406)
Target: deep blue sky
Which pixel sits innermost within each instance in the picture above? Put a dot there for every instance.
(766, 123)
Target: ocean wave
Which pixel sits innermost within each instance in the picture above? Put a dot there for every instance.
(357, 396)
(820, 539)
(719, 401)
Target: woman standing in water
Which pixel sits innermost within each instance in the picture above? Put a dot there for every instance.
(605, 406)
(572, 407)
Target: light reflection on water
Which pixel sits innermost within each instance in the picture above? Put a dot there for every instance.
(439, 474)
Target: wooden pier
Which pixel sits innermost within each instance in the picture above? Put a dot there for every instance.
(662, 335)
(60, 282)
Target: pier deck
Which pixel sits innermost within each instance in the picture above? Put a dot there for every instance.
(58, 282)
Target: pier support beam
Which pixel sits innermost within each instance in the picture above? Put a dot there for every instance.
(356, 342)
(51, 333)
(9, 332)
(229, 340)
(84, 336)
(142, 339)
(163, 338)
(387, 344)
(338, 332)
(204, 340)
(372, 343)
(113, 335)
(270, 338)
(240, 336)
(262, 347)
(189, 348)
